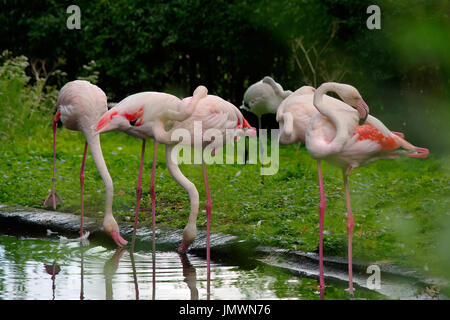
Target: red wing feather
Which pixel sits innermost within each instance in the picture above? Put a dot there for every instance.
(369, 132)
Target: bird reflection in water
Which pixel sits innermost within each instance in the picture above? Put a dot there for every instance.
(190, 276)
(110, 270)
(53, 270)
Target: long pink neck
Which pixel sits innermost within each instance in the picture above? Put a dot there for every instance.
(96, 151)
(185, 183)
(328, 111)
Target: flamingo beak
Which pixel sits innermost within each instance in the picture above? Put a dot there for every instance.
(184, 246)
(118, 239)
(363, 111)
(244, 106)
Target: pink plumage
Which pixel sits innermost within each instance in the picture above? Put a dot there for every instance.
(343, 136)
(80, 104)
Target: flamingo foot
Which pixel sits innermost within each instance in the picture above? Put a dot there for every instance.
(183, 247)
(118, 239)
(52, 200)
(419, 153)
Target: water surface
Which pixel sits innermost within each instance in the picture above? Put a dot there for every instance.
(45, 269)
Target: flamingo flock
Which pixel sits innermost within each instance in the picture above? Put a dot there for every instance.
(341, 132)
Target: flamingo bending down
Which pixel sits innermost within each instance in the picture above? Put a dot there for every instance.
(80, 104)
(334, 135)
(212, 112)
(135, 115)
(263, 97)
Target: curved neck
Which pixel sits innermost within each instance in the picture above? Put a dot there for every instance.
(159, 131)
(330, 111)
(96, 151)
(175, 172)
(160, 134)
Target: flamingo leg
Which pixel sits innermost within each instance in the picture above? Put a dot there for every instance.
(350, 234)
(138, 195)
(83, 162)
(208, 217)
(322, 206)
(53, 199)
(152, 192)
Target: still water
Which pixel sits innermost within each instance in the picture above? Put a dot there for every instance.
(46, 269)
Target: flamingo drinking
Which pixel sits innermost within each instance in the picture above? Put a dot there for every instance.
(80, 104)
(135, 115)
(213, 113)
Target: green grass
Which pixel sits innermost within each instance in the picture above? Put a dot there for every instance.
(401, 207)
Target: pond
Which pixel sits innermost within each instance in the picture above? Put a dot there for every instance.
(46, 269)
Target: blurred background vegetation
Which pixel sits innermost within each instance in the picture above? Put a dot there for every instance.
(402, 70)
(127, 46)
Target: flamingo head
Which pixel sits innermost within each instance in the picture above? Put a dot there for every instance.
(256, 96)
(189, 235)
(351, 96)
(116, 119)
(110, 225)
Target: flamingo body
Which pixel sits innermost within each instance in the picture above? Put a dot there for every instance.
(80, 104)
(349, 138)
(135, 114)
(264, 97)
(212, 111)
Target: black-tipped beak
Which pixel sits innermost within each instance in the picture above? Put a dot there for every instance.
(363, 111)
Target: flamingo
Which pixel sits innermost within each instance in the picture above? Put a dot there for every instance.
(263, 97)
(348, 139)
(294, 113)
(80, 104)
(214, 113)
(135, 115)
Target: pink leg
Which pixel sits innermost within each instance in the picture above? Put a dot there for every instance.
(322, 216)
(350, 235)
(53, 199)
(152, 191)
(208, 217)
(82, 188)
(138, 194)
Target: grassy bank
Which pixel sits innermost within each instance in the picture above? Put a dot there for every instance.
(401, 207)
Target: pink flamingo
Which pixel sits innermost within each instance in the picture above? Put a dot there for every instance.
(334, 135)
(80, 104)
(135, 115)
(263, 97)
(213, 113)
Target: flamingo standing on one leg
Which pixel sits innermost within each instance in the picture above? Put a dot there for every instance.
(263, 97)
(135, 115)
(80, 105)
(214, 113)
(293, 116)
(334, 135)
